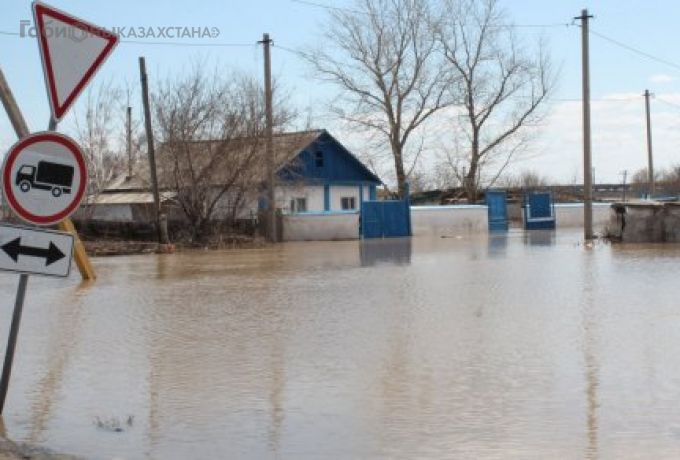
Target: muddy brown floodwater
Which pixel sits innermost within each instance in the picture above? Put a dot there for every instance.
(514, 346)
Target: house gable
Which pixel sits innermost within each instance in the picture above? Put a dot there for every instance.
(327, 161)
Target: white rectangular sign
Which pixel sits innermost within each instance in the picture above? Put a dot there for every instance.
(35, 251)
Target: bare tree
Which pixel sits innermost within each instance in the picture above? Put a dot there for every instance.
(98, 127)
(501, 85)
(211, 154)
(391, 77)
(639, 181)
(526, 179)
(670, 179)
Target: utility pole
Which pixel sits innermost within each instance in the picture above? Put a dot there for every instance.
(651, 186)
(587, 158)
(269, 141)
(625, 177)
(149, 140)
(128, 129)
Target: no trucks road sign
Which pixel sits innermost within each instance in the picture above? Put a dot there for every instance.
(44, 178)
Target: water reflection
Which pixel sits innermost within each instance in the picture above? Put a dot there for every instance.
(391, 251)
(591, 363)
(481, 347)
(539, 237)
(498, 244)
(60, 351)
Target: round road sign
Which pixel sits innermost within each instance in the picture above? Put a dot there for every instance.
(44, 178)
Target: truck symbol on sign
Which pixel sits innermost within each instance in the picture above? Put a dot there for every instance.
(54, 177)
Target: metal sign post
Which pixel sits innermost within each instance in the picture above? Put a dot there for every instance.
(12, 340)
(26, 250)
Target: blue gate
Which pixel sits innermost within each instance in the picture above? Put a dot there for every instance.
(539, 211)
(496, 200)
(384, 219)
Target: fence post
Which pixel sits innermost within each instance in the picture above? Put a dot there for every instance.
(407, 203)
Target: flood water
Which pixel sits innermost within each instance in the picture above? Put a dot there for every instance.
(514, 346)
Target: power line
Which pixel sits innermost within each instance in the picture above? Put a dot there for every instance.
(635, 50)
(350, 10)
(672, 104)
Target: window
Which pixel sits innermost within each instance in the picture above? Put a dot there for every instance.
(348, 203)
(318, 159)
(298, 205)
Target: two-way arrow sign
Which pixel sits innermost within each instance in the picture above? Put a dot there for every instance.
(14, 249)
(40, 252)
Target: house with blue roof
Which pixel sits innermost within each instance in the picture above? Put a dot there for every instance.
(320, 187)
(317, 174)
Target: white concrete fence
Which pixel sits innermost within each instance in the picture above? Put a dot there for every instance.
(427, 221)
(466, 219)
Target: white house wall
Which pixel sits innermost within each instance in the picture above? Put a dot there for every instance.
(313, 193)
(340, 192)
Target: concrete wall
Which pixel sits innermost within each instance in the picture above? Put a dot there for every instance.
(448, 220)
(570, 215)
(321, 227)
(457, 219)
(650, 222)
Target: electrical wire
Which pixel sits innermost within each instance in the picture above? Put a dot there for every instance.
(349, 10)
(635, 50)
(672, 104)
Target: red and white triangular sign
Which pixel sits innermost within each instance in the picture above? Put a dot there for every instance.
(72, 51)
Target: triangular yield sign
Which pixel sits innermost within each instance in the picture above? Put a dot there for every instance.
(72, 51)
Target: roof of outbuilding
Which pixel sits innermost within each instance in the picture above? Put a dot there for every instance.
(131, 198)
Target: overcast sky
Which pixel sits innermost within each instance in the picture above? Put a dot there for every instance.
(619, 76)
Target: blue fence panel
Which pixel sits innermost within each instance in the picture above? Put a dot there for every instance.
(384, 219)
(539, 211)
(496, 200)
(371, 219)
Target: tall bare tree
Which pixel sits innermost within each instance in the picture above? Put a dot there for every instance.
(383, 57)
(502, 86)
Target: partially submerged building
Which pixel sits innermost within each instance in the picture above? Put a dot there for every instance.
(320, 185)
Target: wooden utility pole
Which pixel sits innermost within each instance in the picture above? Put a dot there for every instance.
(587, 158)
(128, 138)
(651, 186)
(269, 141)
(625, 177)
(150, 146)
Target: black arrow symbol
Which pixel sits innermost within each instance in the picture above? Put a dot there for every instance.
(14, 249)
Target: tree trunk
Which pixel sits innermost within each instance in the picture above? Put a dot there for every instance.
(471, 177)
(399, 168)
